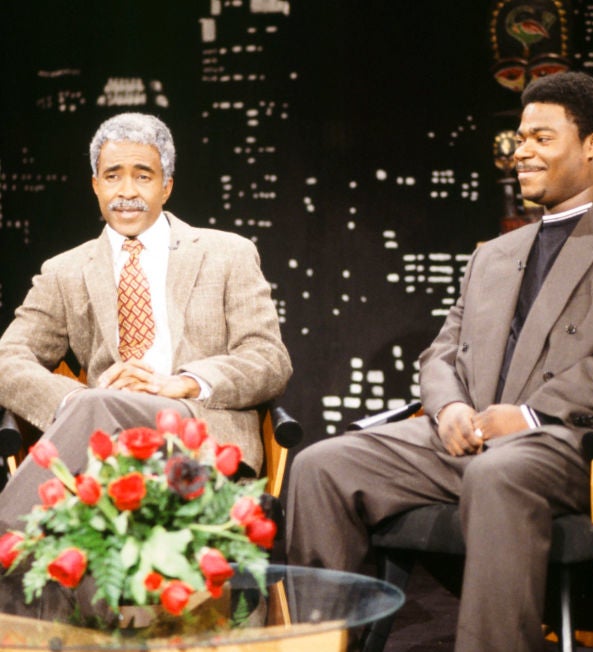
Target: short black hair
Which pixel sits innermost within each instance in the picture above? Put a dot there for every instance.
(572, 90)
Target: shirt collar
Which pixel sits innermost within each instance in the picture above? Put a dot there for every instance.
(566, 215)
(152, 239)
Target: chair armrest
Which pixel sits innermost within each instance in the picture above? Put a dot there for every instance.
(11, 445)
(287, 430)
(279, 432)
(11, 439)
(386, 417)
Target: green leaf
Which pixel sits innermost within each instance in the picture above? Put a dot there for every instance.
(121, 523)
(137, 587)
(98, 522)
(130, 552)
(165, 551)
(110, 576)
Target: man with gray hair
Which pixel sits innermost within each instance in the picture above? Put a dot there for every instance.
(158, 313)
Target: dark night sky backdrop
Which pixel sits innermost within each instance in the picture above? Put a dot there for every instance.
(375, 121)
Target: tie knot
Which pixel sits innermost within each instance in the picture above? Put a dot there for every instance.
(133, 246)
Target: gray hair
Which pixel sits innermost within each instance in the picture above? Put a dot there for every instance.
(137, 128)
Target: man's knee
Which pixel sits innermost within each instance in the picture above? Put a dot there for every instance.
(500, 475)
(87, 398)
(328, 459)
(312, 458)
(485, 470)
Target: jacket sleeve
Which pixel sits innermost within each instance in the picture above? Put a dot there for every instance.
(30, 348)
(255, 365)
(440, 379)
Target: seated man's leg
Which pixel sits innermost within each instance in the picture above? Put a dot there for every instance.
(340, 487)
(86, 411)
(509, 495)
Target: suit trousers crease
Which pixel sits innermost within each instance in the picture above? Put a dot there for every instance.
(86, 411)
(340, 487)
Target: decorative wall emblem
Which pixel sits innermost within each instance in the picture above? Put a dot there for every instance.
(529, 39)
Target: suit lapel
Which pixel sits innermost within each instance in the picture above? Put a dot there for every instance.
(574, 259)
(498, 296)
(185, 259)
(100, 283)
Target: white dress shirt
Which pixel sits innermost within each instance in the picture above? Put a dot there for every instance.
(154, 260)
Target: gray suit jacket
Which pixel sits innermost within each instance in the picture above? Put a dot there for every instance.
(552, 367)
(223, 323)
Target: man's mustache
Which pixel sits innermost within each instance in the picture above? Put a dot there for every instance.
(128, 205)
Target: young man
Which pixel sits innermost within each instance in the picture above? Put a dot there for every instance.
(506, 388)
(209, 343)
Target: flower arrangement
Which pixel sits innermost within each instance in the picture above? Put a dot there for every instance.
(154, 518)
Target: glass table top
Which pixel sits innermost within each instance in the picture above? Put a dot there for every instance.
(299, 601)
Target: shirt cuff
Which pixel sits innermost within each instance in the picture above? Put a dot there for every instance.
(205, 388)
(530, 416)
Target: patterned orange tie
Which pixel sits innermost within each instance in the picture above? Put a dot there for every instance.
(136, 321)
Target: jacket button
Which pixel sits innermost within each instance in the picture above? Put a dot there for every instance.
(464, 347)
(582, 420)
(571, 329)
(548, 376)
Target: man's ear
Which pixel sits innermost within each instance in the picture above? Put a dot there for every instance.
(168, 189)
(94, 183)
(589, 146)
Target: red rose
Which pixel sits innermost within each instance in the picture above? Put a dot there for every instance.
(228, 457)
(168, 420)
(175, 596)
(216, 570)
(88, 489)
(101, 444)
(51, 492)
(153, 581)
(128, 491)
(194, 433)
(43, 452)
(141, 443)
(261, 532)
(8, 548)
(68, 567)
(245, 510)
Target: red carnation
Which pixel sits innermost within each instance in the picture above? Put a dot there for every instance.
(68, 567)
(153, 581)
(43, 452)
(8, 548)
(228, 457)
(175, 596)
(88, 489)
(261, 532)
(216, 570)
(51, 492)
(245, 510)
(141, 443)
(128, 491)
(169, 420)
(101, 444)
(194, 433)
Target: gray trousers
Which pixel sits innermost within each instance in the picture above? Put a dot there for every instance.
(86, 411)
(340, 487)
